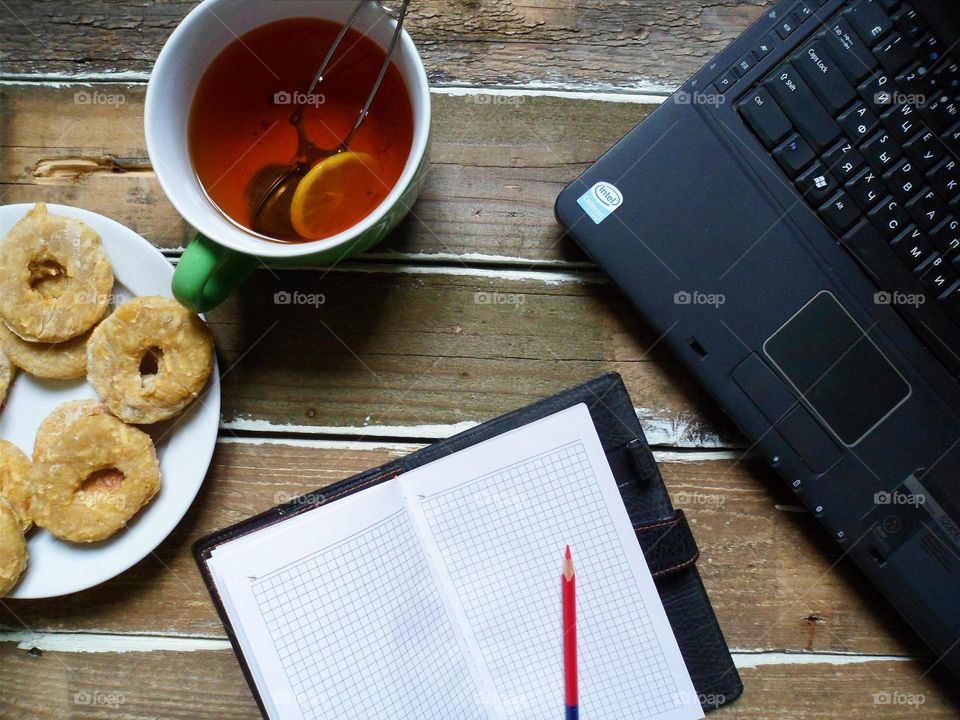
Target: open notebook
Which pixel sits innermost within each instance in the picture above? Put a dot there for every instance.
(436, 595)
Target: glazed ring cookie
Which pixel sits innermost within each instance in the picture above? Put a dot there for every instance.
(15, 482)
(13, 548)
(7, 371)
(55, 279)
(55, 361)
(154, 330)
(60, 419)
(95, 477)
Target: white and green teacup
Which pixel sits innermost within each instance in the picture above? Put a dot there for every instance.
(223, 254)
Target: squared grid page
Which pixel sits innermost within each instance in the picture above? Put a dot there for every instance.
(339, 616)
(498, 515)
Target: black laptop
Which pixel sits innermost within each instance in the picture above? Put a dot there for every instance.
(789, 222)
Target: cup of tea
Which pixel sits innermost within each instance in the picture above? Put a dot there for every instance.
(229, 115)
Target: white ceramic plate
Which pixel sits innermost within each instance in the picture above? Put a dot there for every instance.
(184, 443)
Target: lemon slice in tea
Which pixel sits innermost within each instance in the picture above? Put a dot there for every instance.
(345, 184)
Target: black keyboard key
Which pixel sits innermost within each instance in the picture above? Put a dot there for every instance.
(951, 139)
(787, 25)
(794, 154)
(869, 20)
(866, 189)
(902, 121)
(802, 106)
(924, 149)
(843, 160)
(877, 91)
(914, 248)
(944, 178)
(909, 23)
(820, 70)
(765, 47)
(927, 209)
(807, 9)
(881, 151)
(848, 49)
(725, 82)
(889, 217)
(816, 184)
(948, 76)
(744, 64)
(904, 180)
(938, 277)
(765, 117)
(894, 53)
(917, 83)
(946, 236)
(858, 121)
(840, 213)
(942, 112)
(929, 49)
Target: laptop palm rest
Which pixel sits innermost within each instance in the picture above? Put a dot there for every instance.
(834, 365)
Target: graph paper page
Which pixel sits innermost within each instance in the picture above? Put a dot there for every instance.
(496, 517)
(338, 616)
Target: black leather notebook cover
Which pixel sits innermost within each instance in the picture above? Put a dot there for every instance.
(663, 533)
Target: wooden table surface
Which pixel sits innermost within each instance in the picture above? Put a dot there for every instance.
(526, 95)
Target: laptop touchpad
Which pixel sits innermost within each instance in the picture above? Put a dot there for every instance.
(835, 366)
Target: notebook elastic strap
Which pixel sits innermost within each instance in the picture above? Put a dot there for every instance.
(668, 545)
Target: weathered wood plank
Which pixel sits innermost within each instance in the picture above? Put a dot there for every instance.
(577, 42)
(209, 684)
(404, 349)
(767, 570)
(498, 163)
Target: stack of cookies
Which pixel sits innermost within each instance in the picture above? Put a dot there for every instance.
(91, 470)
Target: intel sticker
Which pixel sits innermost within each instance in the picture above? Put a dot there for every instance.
(600, 200)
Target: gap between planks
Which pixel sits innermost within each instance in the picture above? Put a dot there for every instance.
(641, 95)
(115, 643)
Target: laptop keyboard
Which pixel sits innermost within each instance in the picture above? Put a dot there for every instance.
(864, 119)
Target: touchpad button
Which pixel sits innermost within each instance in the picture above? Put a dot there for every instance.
(838, 370)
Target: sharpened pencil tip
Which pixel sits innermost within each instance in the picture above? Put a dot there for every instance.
(568, 552)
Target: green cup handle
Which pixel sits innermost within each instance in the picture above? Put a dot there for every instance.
(207, 273)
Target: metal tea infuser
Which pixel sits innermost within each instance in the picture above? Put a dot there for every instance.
(271, 190)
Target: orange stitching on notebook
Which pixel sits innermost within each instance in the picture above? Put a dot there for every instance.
(682, 565)
(671, 521)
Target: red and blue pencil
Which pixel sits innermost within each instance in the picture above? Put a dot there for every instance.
(569, 584)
